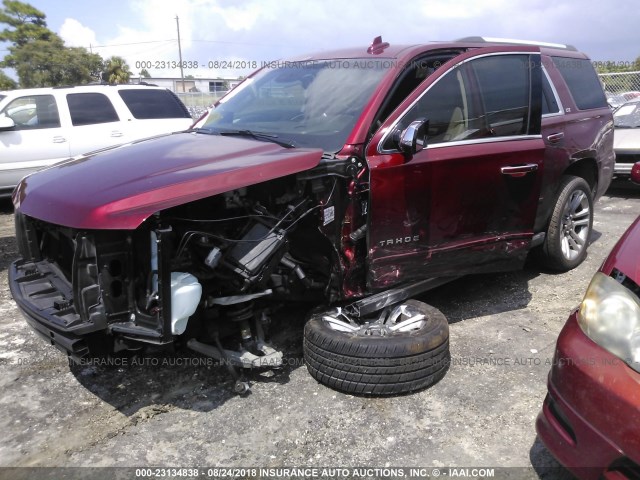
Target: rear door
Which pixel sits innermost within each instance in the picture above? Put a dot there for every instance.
(154, 111)
(96, 124)
(467, 202)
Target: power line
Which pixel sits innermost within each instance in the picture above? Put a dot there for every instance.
(224, 42)
(242, 43)
(132, 43)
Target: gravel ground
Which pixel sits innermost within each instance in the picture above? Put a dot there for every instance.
(172, 414)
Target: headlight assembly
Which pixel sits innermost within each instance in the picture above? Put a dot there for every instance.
(610, 316)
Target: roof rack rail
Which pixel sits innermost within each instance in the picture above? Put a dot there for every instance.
(512, 41)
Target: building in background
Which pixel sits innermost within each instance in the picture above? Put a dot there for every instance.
(217, 86)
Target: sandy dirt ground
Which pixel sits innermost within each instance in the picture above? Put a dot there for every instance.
(180, 411)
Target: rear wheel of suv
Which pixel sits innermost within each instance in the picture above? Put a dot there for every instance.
(405, 349)
(565, 245)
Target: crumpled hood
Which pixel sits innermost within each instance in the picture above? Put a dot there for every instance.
(121, 187)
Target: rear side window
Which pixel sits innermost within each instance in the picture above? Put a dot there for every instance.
(150, 104)
(582, 81)
(90, 108)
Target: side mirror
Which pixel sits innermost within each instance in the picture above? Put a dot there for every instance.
(6, 123)
(413, 138)
(635, 173)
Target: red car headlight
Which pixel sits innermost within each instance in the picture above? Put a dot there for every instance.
(610, 316)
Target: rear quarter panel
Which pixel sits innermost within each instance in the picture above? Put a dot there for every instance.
(588, 136)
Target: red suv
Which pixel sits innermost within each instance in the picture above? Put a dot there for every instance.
(353, 179)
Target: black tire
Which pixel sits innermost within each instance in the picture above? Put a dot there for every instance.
(378, 365)
(558, 253)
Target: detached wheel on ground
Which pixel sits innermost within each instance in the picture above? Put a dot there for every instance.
(565, 246)
(405, 349)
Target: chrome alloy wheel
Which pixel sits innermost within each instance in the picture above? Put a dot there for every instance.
(401, 319)
(576, 221)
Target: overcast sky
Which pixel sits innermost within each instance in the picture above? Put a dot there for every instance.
(261, 30)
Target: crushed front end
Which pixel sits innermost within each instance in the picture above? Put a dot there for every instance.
(208, 274)
(75, 285)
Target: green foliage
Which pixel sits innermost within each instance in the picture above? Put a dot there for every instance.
(6, 82)
(144, 73)
(116, 71)
(24, 23)
(617, 67)
(45, 64)
(39, 55)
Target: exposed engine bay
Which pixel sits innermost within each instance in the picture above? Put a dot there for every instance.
(210, 272)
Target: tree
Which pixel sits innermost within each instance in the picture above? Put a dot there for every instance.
(80, 66)
(46, 64)
(116, 71)
(617, 67)
(39, 55)
(144, 73)
(24, 23)
(6, 82)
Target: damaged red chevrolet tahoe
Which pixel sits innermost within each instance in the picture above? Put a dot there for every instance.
(323, 182)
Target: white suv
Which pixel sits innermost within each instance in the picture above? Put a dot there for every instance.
(43, 126)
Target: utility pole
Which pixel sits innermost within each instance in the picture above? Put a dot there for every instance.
(180, 53)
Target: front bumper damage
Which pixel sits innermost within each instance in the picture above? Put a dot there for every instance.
(43, 295)
(73, 287)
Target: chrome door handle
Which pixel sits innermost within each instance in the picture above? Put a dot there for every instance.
(519, 170)
(116, 133)
(59, 139)
(555, 137)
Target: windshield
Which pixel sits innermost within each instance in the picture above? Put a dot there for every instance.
(627, 116)
(307, 104)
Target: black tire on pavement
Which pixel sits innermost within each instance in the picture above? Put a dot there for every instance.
(567, 239)
(365, 364)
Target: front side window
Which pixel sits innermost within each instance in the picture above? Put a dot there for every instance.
(33, 112)
(308, 104)
(482, 98)
(503, 83)
(90, 109)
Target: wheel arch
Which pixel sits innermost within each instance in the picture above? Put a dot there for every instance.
(586, 168)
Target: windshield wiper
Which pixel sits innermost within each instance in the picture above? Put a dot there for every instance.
(208, 131)
(257, 136)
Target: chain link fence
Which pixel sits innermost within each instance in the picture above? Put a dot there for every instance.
(621, 82)
(621, 87)
(198, 102)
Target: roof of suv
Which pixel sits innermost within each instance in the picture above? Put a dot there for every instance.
(82, 88)
(380, 49)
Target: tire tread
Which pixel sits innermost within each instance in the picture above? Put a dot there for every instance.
(378, 365)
